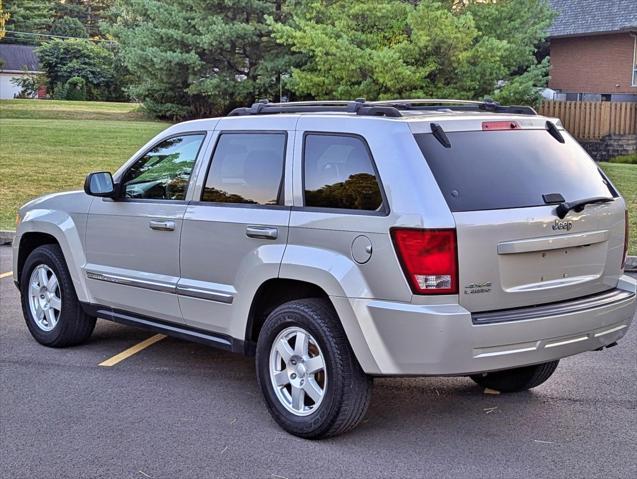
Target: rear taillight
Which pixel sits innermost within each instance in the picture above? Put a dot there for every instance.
(625, 239)
(429, 259)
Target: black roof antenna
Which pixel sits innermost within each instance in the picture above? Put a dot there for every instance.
(555, 133)
(440, 135)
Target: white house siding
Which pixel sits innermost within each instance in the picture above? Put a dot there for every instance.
(7, 89)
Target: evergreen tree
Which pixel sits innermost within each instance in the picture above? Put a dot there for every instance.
(30, 17)
(194, 58)
(89, 12)
(68, 27)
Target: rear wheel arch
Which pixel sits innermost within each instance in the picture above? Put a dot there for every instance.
(271, 294)
(306, 405)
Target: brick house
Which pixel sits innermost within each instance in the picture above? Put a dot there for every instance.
(593, 48)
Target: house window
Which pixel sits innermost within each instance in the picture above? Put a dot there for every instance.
(635, 62)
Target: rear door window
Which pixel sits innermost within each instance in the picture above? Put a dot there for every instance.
(246, 168)
(338, 172)
(510, 169)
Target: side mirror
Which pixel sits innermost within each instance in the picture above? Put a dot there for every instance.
(100, 184)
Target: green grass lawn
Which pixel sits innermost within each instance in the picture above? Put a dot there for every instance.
(624, 177)
(70, 110)
(39, 156)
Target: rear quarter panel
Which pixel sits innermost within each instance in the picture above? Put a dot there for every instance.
(320, 240)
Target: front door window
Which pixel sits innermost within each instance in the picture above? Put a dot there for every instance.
(164, 171)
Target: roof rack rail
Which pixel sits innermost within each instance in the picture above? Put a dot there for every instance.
(433, 104)
(387, 108)
(357, 106)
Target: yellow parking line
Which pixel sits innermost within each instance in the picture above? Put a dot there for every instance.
(6, 275)
(132, 350)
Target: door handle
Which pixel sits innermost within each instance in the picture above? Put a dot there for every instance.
(162, 225)
(262, 232)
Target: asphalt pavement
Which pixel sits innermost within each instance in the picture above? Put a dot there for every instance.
(182, 410)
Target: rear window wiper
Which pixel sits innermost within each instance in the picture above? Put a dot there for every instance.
(563, 208)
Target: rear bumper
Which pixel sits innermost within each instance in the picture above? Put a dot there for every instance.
(406, 339)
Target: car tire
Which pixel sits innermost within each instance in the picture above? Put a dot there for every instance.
(518, 379)
(342, 388)
(50, 306)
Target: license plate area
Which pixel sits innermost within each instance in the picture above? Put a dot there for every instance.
(562, 267)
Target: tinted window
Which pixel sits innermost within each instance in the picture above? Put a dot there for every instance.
(164, 171)
(338, 173)
(246, 168)
(510, 169)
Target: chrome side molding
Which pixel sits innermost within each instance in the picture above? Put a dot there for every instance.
(180, 289)
(204, 294)
(126, 281)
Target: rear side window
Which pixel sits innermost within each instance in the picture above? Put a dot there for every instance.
(246, 168)
(510, 169)
(338, 172)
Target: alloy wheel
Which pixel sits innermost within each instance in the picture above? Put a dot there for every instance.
(297, 371)
(44, 297)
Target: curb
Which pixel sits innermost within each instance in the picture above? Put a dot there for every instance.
(6, 237)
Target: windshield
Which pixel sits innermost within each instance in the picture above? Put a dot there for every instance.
(510, 169)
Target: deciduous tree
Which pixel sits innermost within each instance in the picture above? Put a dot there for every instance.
(4, 16)
(63, 60)
(404, 49)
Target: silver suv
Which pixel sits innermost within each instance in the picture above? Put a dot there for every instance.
(338, 241)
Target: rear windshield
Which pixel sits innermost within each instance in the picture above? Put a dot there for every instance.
(510, 169)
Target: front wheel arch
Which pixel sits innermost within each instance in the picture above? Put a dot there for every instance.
(56, 228)
(72, 326)
(28, 243)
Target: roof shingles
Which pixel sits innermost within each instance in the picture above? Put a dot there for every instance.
(18, 57)
(585, 17)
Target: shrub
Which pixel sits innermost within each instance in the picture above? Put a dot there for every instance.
(630, 159)
(75, 89)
